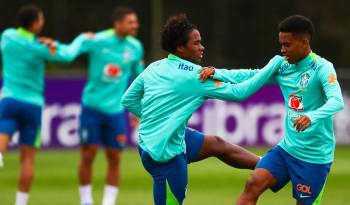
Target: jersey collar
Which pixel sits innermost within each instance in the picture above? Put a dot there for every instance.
(307, 61)
(175, 57)
(25, 33)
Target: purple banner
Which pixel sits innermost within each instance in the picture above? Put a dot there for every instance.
(257, 121)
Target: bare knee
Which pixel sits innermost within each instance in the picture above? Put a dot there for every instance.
(218, 146)
(113, 157)
(88, 154)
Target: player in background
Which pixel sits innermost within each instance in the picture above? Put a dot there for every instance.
(312, 96)
(23, 58)
(114, 56)
(166, 94)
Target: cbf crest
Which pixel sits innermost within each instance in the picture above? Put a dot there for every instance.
(304, 80)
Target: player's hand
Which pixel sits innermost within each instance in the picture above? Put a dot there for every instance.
(47, 41)
(206, 72)
(134, 121)
(301, 123)
(90, 35)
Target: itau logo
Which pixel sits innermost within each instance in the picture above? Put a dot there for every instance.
(112, 70)
(295, 102)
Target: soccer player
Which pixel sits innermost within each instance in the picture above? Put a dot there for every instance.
(115, 56)
(166, 94)
(23, 58)
(312, 96)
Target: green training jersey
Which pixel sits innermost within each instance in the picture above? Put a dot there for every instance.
(23, 59)
(166, 94)
(112, 62)
(309, 88)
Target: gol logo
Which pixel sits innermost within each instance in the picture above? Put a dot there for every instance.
(121, 138)
(112, 70)
(304, 188)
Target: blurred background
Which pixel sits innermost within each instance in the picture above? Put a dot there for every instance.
(236, 34)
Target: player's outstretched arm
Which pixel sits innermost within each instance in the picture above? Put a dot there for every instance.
(131, 99)
(240, 91)
(333, 94)
(52, 50)
(225, 75)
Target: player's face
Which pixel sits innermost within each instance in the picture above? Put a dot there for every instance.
(193, 50)
(129, 25)
(38, 24)
(293, 48)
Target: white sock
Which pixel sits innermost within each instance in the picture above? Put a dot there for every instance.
(110, 195)
(21, 198)
(1, 160)
(85, 195)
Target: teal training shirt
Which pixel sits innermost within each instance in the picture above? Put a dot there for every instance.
(166, 94)
(112, 62)
(309, 88)
(23, 59)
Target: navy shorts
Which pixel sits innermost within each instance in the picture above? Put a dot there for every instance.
(307, 179)
(97, 127)
(21, 116)
(170, 178)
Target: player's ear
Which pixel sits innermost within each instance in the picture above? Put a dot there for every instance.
(306, 41)
(180, 49)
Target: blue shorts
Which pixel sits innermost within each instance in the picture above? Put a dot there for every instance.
(96, 127)
(308, 179)
(170, 178)
(21, 116)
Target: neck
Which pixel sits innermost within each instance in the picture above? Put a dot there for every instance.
(184, 57)
(120, 34)
(305, 54)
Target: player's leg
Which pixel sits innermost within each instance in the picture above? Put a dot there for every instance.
(113, 139)
(89, 135)
(112, 176)
(308, 180)
(200, 146)
(30, 142)
(4, 141)
(26, 173)
(270, 172)
(8, 125)
(87, 156)
(169, 178)
(258, 182)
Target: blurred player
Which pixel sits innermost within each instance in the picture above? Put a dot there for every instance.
(312, 96)
(166, 94)
(114, 55)
(23, 58)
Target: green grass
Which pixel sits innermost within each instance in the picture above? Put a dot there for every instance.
(210, 181)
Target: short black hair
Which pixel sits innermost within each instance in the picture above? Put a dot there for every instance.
(120, 12)
(27, 14)
(175, 32)
(297, 24)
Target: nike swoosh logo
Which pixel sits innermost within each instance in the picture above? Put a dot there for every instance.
(304, 196)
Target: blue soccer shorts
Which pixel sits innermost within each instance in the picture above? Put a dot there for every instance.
(308, 179)
(22, 116)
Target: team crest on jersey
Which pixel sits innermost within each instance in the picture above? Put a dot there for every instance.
(112, 71)
(126, 55)
(295, 102)
(304, 79)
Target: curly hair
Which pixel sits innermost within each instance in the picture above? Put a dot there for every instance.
(175, 32)
(27, 15)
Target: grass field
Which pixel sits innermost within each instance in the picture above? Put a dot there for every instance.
(210, 181)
